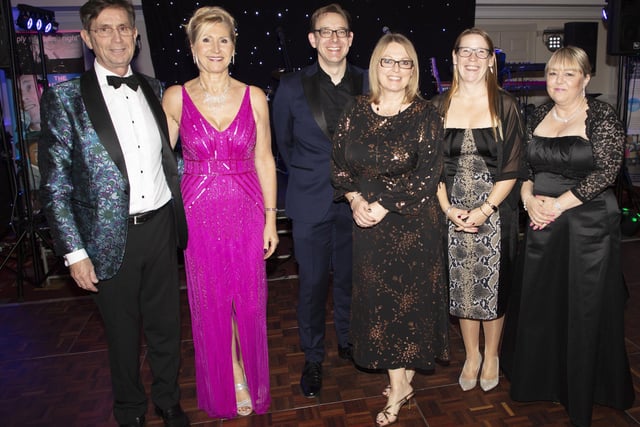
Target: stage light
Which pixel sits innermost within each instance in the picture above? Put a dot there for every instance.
(553, 39)
(51, 27)
(35, 19)
(629, 222)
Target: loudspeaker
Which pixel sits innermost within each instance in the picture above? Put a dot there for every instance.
(623, 32)
(585, 36)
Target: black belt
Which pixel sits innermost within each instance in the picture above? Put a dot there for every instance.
(143, 217)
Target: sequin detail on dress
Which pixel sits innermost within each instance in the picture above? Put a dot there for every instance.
(224, 258)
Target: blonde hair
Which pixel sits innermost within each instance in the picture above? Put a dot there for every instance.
(210, 15)
(570, 57)
(412, 91)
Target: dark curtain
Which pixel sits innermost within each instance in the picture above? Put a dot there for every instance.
(272, 35)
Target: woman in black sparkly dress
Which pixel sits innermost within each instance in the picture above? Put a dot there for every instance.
(387, 161)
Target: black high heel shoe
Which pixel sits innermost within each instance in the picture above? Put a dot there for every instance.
(390, 418)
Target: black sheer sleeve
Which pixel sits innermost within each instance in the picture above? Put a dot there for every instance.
(607, 137)
(512, 145)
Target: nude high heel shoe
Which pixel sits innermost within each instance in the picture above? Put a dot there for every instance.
(468, 384)
(491, 383)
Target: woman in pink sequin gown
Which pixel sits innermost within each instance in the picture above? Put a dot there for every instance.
(229, 192)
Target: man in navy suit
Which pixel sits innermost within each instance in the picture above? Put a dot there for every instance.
(306, 110)
(111, 193)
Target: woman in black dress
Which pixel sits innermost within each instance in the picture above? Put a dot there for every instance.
(564, 338)
(387, 161)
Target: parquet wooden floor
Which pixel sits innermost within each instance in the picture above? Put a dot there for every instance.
(54, 372)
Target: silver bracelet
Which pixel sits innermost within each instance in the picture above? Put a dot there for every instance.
(557, 206)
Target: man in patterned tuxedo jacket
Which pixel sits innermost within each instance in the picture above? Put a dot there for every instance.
(110, 190)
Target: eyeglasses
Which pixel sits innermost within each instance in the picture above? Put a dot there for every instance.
(107, 31)
(481, 53)
(405, 64)
(326, 33)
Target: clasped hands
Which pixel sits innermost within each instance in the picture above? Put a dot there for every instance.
(542, 211)
(466, 220)
(367, 214)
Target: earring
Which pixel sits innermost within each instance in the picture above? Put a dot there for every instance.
(233, 58)
(195, 60)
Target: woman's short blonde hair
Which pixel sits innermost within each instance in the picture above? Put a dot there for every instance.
(570, 57)
(210, 15)
(412, 91)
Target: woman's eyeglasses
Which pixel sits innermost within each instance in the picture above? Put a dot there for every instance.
(481, 53)
(405, 64)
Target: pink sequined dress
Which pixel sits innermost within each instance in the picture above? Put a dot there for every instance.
(224, 263)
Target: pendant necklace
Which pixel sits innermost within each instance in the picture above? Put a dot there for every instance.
(378, 109)
(568, 119)
(215, 101)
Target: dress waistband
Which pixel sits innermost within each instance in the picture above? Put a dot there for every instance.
(219, 167)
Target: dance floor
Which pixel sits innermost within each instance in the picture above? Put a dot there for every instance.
(54, 369)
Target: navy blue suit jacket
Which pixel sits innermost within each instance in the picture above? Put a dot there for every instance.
(304, 143)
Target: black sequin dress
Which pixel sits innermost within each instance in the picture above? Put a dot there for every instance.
(399, 305)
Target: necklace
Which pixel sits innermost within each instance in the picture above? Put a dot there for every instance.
(568, 119)
(215, 101)
(378, 109)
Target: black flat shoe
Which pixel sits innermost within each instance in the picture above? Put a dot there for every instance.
(174, 416)
(311, 381)
(139, 422)
(345, 353)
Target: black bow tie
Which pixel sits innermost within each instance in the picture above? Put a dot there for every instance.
(116, 81)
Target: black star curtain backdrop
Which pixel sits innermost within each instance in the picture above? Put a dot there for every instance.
(272, 35)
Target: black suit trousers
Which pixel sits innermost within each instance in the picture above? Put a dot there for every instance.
(144, 295)
(320, 249)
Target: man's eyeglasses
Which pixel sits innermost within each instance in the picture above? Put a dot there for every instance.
(405, 64)
(107, 31)
(481, 53)
(326, 33)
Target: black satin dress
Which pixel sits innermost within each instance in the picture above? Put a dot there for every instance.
(564, 337)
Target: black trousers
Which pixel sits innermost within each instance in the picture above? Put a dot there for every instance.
(321, 248)
(144, 295)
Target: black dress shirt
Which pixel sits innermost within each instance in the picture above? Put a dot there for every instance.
(333, 98)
